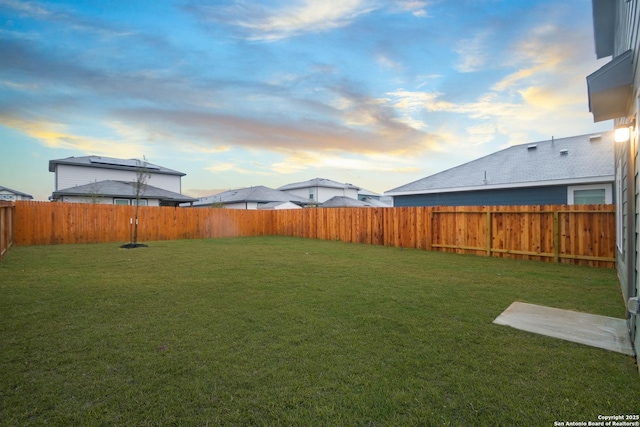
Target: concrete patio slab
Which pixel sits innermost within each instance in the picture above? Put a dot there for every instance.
(604, 332)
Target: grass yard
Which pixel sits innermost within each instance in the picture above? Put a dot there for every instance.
(285, 331)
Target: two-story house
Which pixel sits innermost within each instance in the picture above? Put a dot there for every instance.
(107, 180)
(320, 190)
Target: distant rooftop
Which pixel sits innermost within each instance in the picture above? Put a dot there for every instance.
(16, 192)
(112, 163)
(258, 194)
(318, 182)
(345, 202)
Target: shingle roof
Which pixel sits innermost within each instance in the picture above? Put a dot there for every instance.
(273, 205)
(584, 158)
(345, 202)
(365, 192)
(258, 194)
(317, 182)
(376, 202)
(19, 193)
(112, 163)
(124, 189)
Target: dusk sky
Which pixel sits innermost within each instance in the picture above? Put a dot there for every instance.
(234, 93)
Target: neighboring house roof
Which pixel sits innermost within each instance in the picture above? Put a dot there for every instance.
(112, 163)
(122, 189)
(367, 193)
(17, 193)
(318, 182)
(278, 205)
(378, 203)
(259, 194)
(346, 202)
(564, 161)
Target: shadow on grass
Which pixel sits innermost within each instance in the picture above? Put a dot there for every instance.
(133, 246)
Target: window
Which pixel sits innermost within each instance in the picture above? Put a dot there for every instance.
(311, 194)
(596, 194)
(121, 202)
(143, 202)
(589, 197)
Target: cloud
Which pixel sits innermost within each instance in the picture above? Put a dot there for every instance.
(304, 160)
(388, 62)
(542, 89)
(47, 12)
(210, 129)
(412, 101)
(481, 134)
(263, 23)
(27, 8)
(473, 53)
(236, 167)
(56, 135)
(21, 62)
(416, 7)
(547, 53)
(181, 110)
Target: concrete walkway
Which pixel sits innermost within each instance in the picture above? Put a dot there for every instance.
(604, 332)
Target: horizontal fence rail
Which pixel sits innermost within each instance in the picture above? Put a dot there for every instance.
(6, 227)
(579, 234)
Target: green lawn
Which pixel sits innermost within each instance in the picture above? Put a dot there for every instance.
(285, 331)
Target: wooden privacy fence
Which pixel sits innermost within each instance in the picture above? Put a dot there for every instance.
(6, 227)
(580, 234)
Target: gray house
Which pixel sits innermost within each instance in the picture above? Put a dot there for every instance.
(109, 180)
(259, 197)
(320, 190)
(614, 92)
(9, 195)
(574, 170)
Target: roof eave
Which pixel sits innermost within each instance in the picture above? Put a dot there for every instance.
(571, 181)
(53, 163)
(610, 88)
(604, 27)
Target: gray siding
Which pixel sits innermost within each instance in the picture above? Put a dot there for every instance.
(627, 36)
(69, 176)
(624, 207)
(552, 195)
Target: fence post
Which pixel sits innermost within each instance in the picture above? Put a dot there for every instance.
(489, 233)
(556, 237)
(6, 227)
(2, 232)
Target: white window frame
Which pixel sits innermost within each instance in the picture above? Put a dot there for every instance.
(608, 192)
(115, 202)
